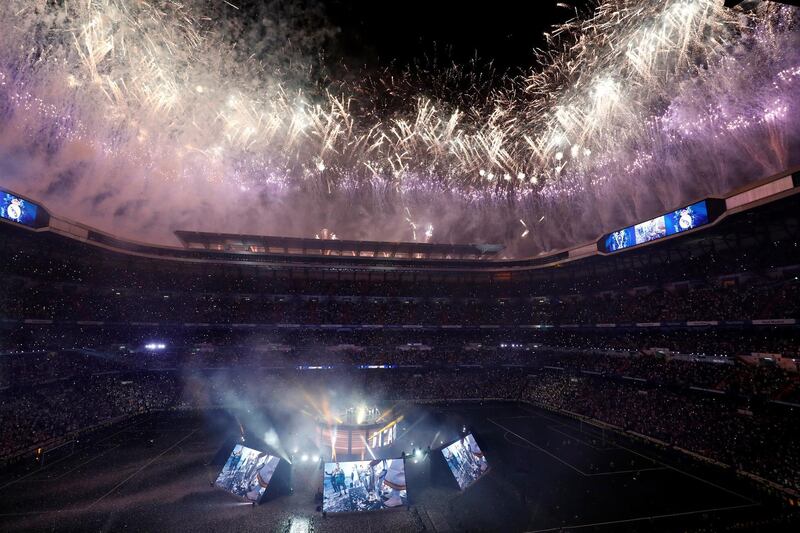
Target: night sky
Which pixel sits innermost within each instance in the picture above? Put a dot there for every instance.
(374, 34)
(505, 31)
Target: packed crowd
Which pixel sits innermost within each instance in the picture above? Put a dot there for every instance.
(733, 420)
(46, 415)
(75, 282)
(75, 321)
(760, 440)
(26, 298)
(744, 376)
(202, 346)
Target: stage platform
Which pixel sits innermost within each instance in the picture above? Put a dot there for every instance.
(547, 473)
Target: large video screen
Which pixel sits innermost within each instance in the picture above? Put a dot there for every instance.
(17, 209)
(686, 218)
(364, 485)
(466, 461)
(650, 230)
(677, 221)
(247, 472)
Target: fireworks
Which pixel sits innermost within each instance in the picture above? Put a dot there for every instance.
(628, 98)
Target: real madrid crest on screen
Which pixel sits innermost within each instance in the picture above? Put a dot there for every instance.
(17, 210)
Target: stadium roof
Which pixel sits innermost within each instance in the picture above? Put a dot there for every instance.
(334, 247)
(764, 214)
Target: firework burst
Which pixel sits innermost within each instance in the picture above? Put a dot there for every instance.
(629, 99)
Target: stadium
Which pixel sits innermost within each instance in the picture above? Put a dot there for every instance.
(236, 294)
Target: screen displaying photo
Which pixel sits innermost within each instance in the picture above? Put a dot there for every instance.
(687, 218)
(650, 230)
(680, 220)
(17, 209)
(466, 461)
(247, 472)
(364, 485)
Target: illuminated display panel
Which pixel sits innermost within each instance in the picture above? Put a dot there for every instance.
(247, 473)
(649, 230)
(689, 217)
(466, 461)
(384, 437)
(356, 486)
(17, 209)
(678, 221)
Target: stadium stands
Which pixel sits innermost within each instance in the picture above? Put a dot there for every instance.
(692, 341)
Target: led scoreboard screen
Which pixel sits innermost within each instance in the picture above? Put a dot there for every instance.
(678, 221)
(247, 473)
(17, 209)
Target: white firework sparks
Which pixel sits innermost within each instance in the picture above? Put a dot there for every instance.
(158, 85)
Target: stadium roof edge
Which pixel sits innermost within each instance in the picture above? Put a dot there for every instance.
(763, 191)
(306, 246)
(749, 196)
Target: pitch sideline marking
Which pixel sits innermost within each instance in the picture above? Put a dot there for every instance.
(65, 458)
(538, 447)
(609, 473)
(667, 466)
(151, 461)
(670, 467)
(641, 518)
(573, 437)
(92, 458)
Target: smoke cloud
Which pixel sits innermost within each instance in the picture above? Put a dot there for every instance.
(146, 118)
